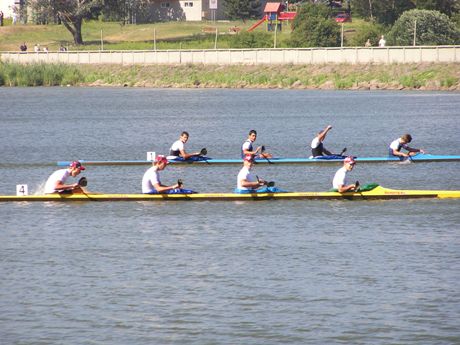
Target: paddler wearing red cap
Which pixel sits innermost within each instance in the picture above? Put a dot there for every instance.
(56, 183)
(247, 182)
(151, 183)
(339, 182)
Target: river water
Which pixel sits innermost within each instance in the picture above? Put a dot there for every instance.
(268, 272)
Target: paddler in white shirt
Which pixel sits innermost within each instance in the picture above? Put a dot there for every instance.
(56, 183)
(151, 183)
(401, 143)
(178, 148)
(247, 148)
(317, 146)
(339, 182)
(247, 182)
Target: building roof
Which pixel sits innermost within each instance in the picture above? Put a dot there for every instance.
(273, 7)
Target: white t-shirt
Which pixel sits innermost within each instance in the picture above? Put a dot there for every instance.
(247, 145)
(177, 146)
(58, 175)
(339, 178)
(314, 143)
(150, 179)
(382, 42)
(245, 174)
(396, 145)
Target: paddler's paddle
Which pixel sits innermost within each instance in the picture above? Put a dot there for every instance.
(203, 154)
(357, 186)
(262, 149)
(268, 184)
(83, 182)
(180, 183)
(343, 151)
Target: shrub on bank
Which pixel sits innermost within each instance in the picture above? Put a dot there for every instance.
(39, 74)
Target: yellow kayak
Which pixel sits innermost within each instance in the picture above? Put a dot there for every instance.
(376, 193)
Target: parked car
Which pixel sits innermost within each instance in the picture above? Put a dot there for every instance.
(342, 18)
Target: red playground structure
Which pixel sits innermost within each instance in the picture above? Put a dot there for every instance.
(274, 16)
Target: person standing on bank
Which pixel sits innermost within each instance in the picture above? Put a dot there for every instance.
(339, 182)
(56, 183)
(401, 143)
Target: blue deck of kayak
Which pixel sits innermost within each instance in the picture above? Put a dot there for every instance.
(417, 158)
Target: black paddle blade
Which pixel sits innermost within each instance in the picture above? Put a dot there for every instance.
(262, 148)
(357, 186)
(83, 182)
(343, 151)
(203, 152)
(180, 183)
(271, 184)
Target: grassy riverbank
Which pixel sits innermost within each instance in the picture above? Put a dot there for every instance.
(365, 77)
(167, 35)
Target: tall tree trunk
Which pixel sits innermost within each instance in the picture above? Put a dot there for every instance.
(73, 24)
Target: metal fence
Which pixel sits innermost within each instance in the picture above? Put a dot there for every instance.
(300, 56)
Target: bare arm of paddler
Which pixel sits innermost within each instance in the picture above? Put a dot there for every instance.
(252, 184)
(253, 153)
(321, 136)
(59, 186)
(186, 155)
(161, 188)
(346, 188)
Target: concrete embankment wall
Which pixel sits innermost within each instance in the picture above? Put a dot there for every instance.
(300, 56)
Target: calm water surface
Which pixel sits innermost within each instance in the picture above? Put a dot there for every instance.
(269, 272)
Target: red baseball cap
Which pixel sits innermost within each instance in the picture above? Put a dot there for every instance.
(349, 160)
(161, 159)
(77, 164)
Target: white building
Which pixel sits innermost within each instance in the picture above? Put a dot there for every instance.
(186, 10)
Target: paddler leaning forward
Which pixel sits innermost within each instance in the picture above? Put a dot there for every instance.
(247, 182)
(151, 183)
(56, 183)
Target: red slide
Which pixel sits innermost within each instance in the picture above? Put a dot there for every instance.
(256, 24)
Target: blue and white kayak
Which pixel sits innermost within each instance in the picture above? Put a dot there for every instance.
(216, 161)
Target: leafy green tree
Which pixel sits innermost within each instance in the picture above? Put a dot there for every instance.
(242, 9)
(367, 31)
(313, 27)
(432, 28)
(449, 7)
(71, 13)
(382, 11)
